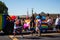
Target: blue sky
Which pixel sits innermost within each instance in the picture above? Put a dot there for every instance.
(19, 7)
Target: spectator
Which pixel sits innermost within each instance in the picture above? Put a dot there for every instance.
(57, 24)
(38, 24)
(49, 21)
(32, 23)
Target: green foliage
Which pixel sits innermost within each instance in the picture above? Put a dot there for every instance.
(42, 13)
(3, 8)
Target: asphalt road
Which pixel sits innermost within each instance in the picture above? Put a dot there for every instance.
(4, 37)
(50, 36)
(40, 38)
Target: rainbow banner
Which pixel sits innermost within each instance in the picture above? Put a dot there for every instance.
(0, 22)
(44, 24)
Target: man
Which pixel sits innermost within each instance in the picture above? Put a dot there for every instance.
(38, 24)
(57, 22)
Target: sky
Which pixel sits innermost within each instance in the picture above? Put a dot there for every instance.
(20, 7)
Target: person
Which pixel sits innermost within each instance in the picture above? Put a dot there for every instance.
(38, 24)
(22, 21)
(49, 22)
(32, 23)
(16, 26)
(26, 23)
(9, 25)
(57, 24)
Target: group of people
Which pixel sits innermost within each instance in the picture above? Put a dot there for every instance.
(57, 22)
(34, 23)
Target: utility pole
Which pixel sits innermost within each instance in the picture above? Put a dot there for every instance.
(32, 11)
(27, 12)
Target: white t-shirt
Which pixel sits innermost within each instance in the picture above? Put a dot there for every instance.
(56, 22)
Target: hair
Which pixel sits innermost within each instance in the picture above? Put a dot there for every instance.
(40, 16)
(58, 15)
(47, 14)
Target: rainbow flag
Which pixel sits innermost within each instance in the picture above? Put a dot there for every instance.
(44, 24)
(0, 22)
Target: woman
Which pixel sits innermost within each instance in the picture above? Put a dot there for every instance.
(26, 23)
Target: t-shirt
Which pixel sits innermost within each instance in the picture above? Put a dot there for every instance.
(56, 22)
(27, 23)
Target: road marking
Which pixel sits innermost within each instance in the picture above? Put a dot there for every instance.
(13, 37)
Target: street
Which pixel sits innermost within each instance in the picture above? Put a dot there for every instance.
(44, 36)
(4, 37)
(47, 36)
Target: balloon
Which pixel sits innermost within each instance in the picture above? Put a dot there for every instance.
(13, 17)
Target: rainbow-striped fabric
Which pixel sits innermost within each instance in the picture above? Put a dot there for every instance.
(0, 22)
(44, 24)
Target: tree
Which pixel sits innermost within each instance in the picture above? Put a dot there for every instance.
(42, 13)
(3, 8)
